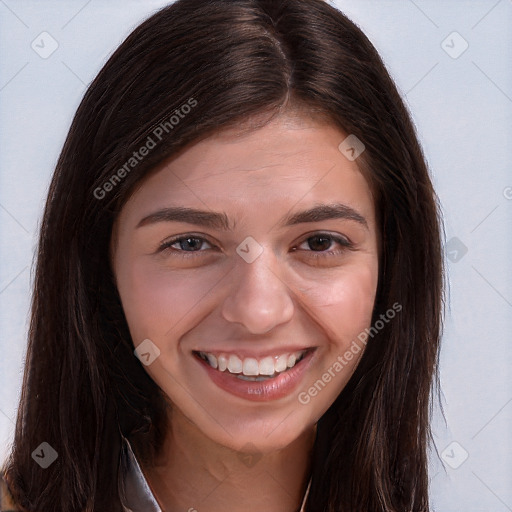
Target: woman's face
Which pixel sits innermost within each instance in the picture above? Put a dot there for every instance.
(247, 266)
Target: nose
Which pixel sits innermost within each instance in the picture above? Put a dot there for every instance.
(258, 298)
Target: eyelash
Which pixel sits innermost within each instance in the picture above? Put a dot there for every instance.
(343, 242)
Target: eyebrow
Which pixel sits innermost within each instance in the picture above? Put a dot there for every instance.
(220, 221)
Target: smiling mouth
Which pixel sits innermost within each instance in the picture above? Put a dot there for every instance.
(253, 369)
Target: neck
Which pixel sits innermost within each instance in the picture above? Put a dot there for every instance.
(194, 472)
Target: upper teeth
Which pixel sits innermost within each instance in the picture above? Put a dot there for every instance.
(251, 366)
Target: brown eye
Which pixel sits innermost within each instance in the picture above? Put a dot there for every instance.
(319, 243)
(323, 242)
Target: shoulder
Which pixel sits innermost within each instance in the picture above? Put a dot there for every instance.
(6, 499)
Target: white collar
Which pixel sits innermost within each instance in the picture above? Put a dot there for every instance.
(134, 491)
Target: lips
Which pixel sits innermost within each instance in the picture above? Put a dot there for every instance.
(257, 379)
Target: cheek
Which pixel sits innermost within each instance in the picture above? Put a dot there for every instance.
(343, 303)
(343, 307)
(156, 302)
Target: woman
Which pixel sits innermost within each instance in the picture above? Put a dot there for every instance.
(238, 295)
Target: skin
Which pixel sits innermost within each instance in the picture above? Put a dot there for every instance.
(297, 291)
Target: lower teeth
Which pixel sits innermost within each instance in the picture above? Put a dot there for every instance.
(259, 378)
(256, 379)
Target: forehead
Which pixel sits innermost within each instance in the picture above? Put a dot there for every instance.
(287, 146)
(288, 160)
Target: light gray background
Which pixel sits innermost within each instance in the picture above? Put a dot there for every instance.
(462, 106)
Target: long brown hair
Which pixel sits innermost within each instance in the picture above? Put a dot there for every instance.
(229, 61)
